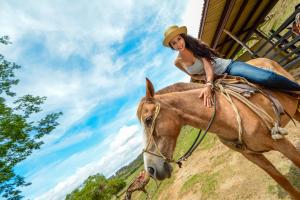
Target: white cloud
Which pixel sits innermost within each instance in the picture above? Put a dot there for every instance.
(68, 28)
(124, 135)
(192, 15)
(126, 144)
(66, 142)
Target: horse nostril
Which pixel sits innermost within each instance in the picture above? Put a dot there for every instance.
(151, 171)
(167, 167)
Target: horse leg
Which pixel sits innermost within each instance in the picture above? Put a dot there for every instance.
(297, 116)
(288, 149)
(261, 161)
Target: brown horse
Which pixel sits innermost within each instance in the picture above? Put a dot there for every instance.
(138, 184)
(165, 112)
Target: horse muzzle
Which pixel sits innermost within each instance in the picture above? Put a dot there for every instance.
(159, 170)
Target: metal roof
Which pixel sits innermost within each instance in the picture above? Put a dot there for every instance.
(238, 17)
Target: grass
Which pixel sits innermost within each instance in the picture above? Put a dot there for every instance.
(208, 142)
(185, 140)
(163, 185)
(220, 159)
(190, 182)
(208, 181)
(293, 176)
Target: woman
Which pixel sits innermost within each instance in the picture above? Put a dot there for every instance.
(296, 24)
(195, 58)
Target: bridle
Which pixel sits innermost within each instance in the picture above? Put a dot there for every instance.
(195, 144)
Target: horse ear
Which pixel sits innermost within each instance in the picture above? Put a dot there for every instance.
(149, 88)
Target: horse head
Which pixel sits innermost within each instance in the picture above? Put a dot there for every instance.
(161, 128)
(127, 196)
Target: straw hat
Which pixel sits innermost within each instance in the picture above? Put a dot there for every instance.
(171, 32)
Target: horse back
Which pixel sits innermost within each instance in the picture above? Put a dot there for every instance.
(265, 63)
(289, 102)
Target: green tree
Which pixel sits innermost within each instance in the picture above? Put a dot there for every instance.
(97, 187)
(19, 134)
(115, 185)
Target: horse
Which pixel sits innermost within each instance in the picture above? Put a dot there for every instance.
(165, 112)
(138, 184)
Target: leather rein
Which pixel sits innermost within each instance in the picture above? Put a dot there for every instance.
(193, 147)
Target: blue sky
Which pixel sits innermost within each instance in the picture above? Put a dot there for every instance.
(90, 60)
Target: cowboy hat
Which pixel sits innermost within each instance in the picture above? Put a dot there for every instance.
(171, 32)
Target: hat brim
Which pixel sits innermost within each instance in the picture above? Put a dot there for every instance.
(178, 31)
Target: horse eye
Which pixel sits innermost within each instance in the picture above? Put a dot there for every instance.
(148, 120)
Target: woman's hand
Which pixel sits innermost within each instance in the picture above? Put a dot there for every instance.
(206, 94)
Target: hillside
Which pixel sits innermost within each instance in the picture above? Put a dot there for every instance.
(98, 187)
(216, 172)
(127, 170)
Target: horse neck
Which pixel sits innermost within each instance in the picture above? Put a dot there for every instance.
(133, 187)
(188, 107)
(128, 196)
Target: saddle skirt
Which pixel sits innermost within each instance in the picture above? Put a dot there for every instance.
(240, 86)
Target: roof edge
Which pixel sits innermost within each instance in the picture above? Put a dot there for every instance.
(204, 14)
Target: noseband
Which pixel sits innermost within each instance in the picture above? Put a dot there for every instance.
(193, 147)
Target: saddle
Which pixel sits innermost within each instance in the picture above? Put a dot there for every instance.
(242, 89)
(240, 86)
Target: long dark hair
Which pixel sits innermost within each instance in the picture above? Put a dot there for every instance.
(199, 49)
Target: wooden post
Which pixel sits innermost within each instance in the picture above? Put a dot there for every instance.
(241, 43)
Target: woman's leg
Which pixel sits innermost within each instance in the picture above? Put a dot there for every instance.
(260, 76)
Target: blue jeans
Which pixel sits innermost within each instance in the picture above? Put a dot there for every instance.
(262, 77)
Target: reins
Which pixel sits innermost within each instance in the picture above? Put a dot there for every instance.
(197, 141)
(193, 147)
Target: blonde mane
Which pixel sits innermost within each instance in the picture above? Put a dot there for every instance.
(176, 87)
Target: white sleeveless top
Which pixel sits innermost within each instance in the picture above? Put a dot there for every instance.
(220, 65)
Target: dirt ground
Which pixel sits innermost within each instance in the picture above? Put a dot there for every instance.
(227, 175)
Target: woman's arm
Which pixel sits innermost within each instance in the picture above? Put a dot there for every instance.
(209, 71)
(206, 93)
